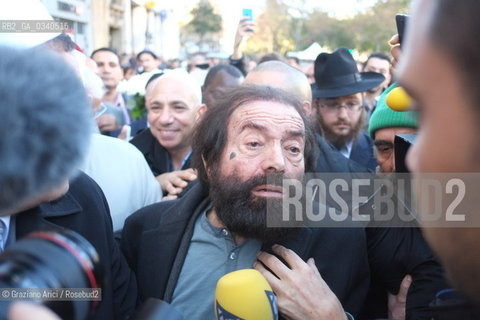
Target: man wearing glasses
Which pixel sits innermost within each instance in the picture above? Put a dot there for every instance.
(338, 102)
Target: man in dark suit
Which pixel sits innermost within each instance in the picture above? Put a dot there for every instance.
(179, 249)
(339, 105)
(44, 137)
(174, 104)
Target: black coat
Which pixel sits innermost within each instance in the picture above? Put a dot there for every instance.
(331, 160)
(156, 155)
(84, 210)
(156, 239)
(362, 152)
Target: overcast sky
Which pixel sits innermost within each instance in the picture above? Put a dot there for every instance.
(342, 8)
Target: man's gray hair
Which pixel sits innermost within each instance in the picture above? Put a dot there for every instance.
(45, 126)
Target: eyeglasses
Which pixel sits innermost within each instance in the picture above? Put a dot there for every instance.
(335, 106)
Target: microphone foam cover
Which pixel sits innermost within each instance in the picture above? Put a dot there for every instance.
(245, 294)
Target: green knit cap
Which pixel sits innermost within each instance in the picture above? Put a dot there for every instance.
(384, 117)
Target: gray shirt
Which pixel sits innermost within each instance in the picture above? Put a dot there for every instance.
(212, 254)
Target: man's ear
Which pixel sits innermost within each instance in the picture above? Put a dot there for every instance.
(201, 110)
(313, 110)
(307, 108)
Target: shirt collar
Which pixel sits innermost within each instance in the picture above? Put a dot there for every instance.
(119, 101)
(346, 150)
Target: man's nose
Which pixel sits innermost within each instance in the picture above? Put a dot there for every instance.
(106, 68)
(274, 159)
(166, 117)
(343, 112)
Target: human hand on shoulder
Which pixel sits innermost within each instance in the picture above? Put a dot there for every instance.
(173, 183)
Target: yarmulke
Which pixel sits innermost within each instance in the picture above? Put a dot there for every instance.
(384, 117)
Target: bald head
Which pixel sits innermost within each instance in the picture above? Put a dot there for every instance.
(280, 75)
(177, 79)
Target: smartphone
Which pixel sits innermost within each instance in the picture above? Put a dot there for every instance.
(247, 12)
(401, 20)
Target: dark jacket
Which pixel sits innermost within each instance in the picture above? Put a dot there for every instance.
(331, 160)
(156, 239)
(363, 153)
(84, 210)
(157, 156)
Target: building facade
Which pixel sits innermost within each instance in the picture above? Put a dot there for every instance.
(77, 14)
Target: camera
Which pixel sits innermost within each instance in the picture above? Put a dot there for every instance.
(52, 259)
(401, 144)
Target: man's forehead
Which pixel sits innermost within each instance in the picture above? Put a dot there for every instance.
(146, 56)
(268, 113)
(357, 95)
(392, 131)
(105, 55)
(175, 82)
(169, 86)
(377, 61)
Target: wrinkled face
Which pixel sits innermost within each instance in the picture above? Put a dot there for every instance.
(381, 66)
(384, 148)
(172, 113)
(148, 62)
(340, 118)
(265, 144)
(217, 87)
(108, 68)
(447, 139)
(264, 137)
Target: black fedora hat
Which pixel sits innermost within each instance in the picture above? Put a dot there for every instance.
(336, 75)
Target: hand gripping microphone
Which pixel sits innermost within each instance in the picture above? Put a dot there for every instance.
(245, 295)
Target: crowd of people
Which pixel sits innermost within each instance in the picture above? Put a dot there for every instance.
(180, 192)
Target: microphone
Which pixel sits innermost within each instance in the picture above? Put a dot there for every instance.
(398, 99)
(245, 295)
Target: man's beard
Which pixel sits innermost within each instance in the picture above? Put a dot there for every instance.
(245, 214)
(339, 141)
